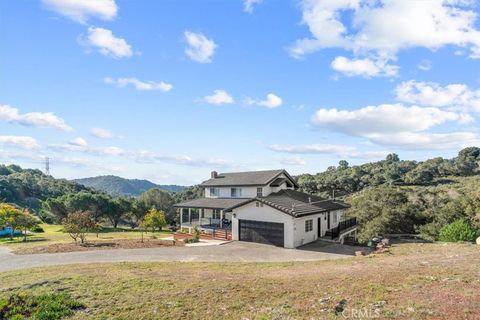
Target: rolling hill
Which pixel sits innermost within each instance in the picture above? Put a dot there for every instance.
(120, 186)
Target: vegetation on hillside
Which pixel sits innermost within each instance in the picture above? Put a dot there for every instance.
(118, 186)
(405, 197)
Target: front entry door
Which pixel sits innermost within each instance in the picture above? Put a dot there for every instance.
(319, 222)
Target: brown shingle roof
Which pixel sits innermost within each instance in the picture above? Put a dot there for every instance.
(250, 178)
(211, 203)
(298, 204)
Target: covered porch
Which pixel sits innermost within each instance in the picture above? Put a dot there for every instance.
(208, 214)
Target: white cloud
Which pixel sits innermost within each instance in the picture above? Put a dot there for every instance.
(139, 85)
(339, 150)
(81, 10)
(454, 96)
(219, 97)
(101, 133)
(35, 119)
(200, 48)
(363, 67)
(428, 141)
(148, 156)
(271, 101)
(382, 28)
(107, 43)
(425, 65)
(78, 146)
(80, 142)
(20, 142)
(249, 4)
(385, 119)
(293, 161)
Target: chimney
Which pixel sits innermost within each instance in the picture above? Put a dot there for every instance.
(214, 174)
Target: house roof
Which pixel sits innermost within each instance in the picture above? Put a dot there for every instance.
(211, 203)
(297, 204)
(250, 178)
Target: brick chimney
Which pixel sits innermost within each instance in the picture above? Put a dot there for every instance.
(214, 174)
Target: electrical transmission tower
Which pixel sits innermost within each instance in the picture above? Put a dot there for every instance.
(47, 166)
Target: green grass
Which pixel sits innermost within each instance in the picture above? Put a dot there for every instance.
(415, 281)
(54, 234)
(51, 306)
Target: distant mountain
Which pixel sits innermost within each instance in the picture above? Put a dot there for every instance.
(120, 186)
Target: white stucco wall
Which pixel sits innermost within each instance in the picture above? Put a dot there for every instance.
(265, 213)
(247, 191)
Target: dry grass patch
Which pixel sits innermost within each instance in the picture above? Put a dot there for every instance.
(429, 281)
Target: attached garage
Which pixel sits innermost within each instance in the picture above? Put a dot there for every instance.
(261, 232)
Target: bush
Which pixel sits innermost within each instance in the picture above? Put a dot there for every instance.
(459, 230)
(42, 307)
(37, 229)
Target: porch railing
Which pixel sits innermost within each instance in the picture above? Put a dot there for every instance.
(342, 225)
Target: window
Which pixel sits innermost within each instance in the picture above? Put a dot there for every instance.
(259, 192)
(236, 192)
(214, 192)
(308, 225)
(216, 214)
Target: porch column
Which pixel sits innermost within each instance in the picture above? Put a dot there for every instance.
(190, 215)
(181, 215)
(221, 219)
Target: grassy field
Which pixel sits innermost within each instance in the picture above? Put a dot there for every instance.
(54, 235)
(415, 281)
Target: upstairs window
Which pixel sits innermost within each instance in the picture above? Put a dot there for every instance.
(308, 225)
(214, 192)
(236, 192)
(259, 192)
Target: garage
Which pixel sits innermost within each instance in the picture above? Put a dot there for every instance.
(261, 232)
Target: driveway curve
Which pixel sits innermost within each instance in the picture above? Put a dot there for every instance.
(229, 252)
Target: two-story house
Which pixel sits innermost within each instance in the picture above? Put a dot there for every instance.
(264, 206)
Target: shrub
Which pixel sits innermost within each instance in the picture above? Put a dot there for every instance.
(459, 230)
(196, 234)
(42, 307)
(37, 229)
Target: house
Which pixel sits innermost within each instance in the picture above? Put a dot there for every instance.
(265, 207)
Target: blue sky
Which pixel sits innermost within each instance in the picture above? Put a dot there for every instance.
(170, 90)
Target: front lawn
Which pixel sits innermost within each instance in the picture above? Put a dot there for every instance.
(415, 281)
(54, 235)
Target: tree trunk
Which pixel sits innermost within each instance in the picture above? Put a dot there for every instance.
(25, 235)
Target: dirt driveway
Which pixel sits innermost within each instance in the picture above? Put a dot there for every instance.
(229, 252)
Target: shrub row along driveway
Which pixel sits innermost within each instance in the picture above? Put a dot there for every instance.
(230, 252)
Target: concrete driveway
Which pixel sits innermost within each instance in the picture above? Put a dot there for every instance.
(229, 252)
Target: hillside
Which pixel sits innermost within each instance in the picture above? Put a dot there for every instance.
(120, 186)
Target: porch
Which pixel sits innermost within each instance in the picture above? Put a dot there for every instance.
(345, 229)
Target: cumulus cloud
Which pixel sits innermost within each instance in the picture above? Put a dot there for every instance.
(80, 142)
(430, 141)
(34, 119)
(139, 85)
(81, 11)
(248, 5)
(101, 133)
(199, 47)
(454, 96)
(219, 97)
(385, 119)
(23, 142)
(339, 150)
(271, 101)
(79, 146)
(382, 28)
(107, 43)
(148, 156)
(363, 67)
(293, 161)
